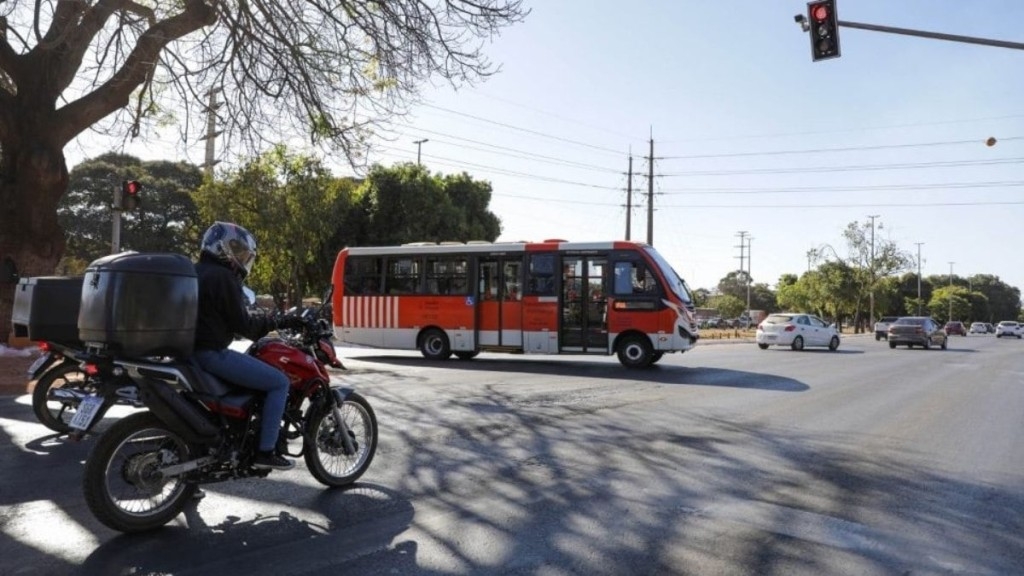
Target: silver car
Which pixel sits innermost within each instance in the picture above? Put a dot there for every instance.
(1009, 328)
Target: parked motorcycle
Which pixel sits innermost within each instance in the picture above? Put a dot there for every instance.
(198, 429)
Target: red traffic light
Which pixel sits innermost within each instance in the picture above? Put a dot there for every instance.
(819, 13)
(130, 197)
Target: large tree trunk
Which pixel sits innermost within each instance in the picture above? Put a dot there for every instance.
(33, 177)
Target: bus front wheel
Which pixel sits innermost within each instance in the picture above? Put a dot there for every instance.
(636, 352)
(434, 345)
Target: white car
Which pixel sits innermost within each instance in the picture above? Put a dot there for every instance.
(796, 330)
(1009, 328)
(979, 328)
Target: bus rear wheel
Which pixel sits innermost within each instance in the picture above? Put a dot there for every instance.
(466, 355)
(635, 351)
(434, 345)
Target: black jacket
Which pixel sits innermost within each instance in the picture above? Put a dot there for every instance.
(222, 311)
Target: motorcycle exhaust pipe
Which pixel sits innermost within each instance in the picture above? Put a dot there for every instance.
(176, 411)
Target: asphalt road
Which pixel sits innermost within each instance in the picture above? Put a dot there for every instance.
(723, 460)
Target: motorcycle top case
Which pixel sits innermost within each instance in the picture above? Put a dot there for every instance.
(140, 304)
(46, 308)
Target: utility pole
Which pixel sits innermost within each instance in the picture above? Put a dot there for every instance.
(749, 260)
(950, 317)
(918, 277)
(115, 229)
(650, 194)
(419, 148)
(629, 198)
(871, 274)
(211, 131)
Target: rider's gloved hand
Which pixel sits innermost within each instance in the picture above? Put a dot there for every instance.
(291, 322)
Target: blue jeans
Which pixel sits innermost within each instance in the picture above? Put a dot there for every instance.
(248, 372)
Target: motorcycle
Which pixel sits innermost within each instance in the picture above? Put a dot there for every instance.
(198, 429)
(61, 385)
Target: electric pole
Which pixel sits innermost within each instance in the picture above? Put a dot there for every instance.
(629, 198)
(918, 277)
(871, 275)
(211, 131)
(950, 317)
(650, 194)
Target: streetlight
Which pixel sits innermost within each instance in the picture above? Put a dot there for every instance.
(419, 147)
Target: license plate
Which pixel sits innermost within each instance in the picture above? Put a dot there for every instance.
(86, 412)
(39, 362)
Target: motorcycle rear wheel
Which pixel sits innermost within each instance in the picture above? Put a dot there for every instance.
(121, 480)
(53, 413)
(324, 449)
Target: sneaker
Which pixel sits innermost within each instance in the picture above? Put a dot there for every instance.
(270, 460)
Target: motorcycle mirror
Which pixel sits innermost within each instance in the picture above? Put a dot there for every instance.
(9, 271)
(327, 293)
(250, 295)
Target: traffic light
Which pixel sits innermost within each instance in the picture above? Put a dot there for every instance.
(130, 199)
(824, 29)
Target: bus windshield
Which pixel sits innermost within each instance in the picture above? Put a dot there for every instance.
(675, 282)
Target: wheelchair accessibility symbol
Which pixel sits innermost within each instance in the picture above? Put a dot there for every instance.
(469, 300)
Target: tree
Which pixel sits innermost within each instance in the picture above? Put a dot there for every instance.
(728, 305)
(872, 258)
(940, 304)
(330, 72)
(406, 204)
(294, 207)
(166, 220)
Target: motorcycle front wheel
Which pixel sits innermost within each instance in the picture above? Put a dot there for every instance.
(326, 456)
(57, 394)
(122, 482)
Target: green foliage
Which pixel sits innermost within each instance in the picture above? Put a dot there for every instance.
(406, 204)
(729, 306)
(294, 207)
(165, 221)
(948, 299)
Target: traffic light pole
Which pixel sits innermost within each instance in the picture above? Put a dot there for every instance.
(115, 232)
(933, 35)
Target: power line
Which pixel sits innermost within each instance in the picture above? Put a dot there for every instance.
(526, 130)
(851, 168)
(829, 189)
(832, 150)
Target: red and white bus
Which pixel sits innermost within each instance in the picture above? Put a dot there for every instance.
(550, 297)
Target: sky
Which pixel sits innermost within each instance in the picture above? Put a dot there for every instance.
(748, 133)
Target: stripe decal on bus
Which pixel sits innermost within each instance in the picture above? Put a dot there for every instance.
(370, 312)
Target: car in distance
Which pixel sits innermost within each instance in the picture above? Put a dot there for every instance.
(979, 328)
(917, 331)
(1009, 328)
(882, 327)
(955, 327)
(795, 330)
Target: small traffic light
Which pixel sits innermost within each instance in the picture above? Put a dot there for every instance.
(824, 25)
(130, 199)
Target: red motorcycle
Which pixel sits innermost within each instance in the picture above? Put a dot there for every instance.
(199, 429)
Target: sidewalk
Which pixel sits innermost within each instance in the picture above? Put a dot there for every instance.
(14, 363)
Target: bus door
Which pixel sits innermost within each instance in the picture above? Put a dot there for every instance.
(499, 310)
(584, 304)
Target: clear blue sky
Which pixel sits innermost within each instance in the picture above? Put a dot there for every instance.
(726, 89)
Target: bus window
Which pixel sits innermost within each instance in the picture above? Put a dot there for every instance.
(362, 275)
(403, 276)
(511, 273)
(634, 278)
(541, 275)
(447, 276)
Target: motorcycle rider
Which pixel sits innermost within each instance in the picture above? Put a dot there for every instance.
(227, 254)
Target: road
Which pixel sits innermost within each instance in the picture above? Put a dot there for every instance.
(724, 460)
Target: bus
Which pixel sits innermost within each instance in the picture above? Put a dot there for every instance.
(550, 297)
